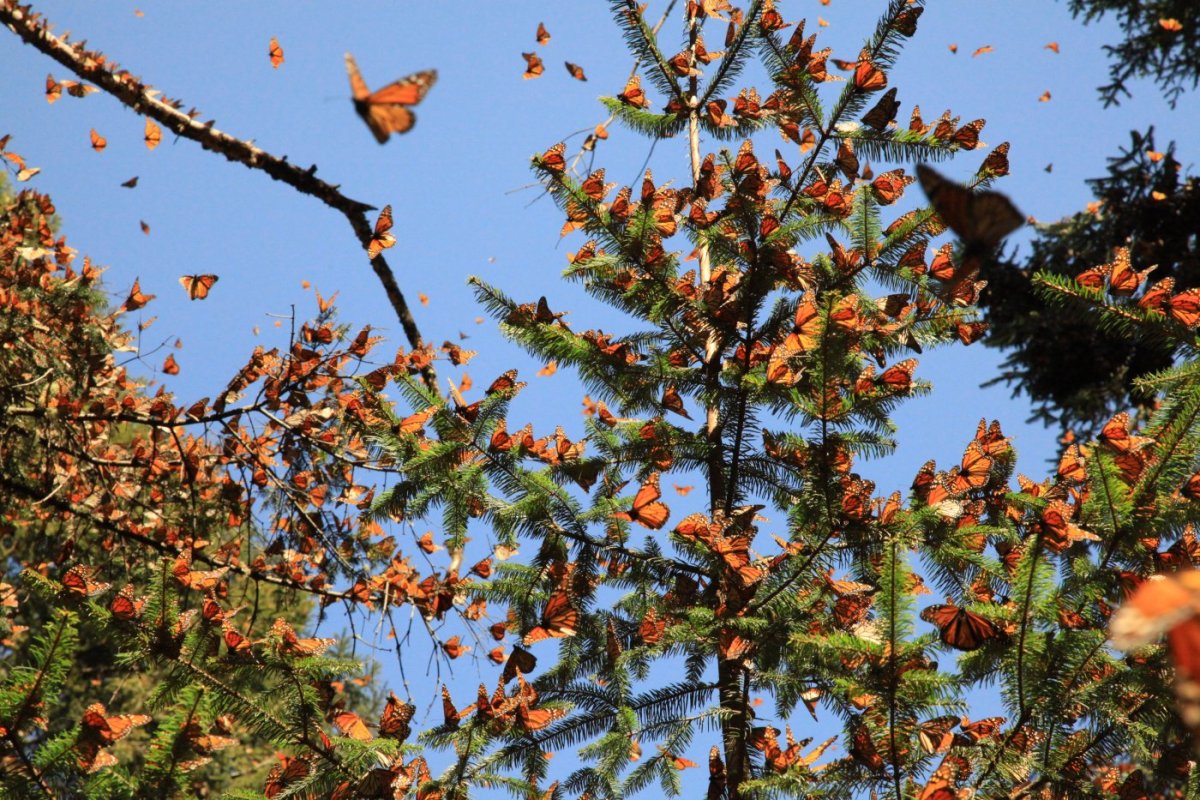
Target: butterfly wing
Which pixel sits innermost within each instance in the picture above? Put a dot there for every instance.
(385, 110)
(981, 218)
(197, 286)
(358, 87)
(960, 628)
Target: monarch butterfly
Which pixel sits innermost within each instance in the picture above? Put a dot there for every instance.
(942, 783)
(959, 628)
(98, 725)
(888, 187)
(533, 719)
(450, 714)
(1185, 307)
(454, 647)
(975, 469)
(197, 286)
(974, 732)
(78, 581)
(352, 725)
(991, 438)
(125, 606)
(386, 110)
(868, 77)
(275, 53)
(287, 772)
(1116, 435)
(863, 750)
(533, 65)
(290, 644)
(980, 218)
(381, 238)
(100, 730)
(396, 718)
(559, 618)
(520, 662)
(554, 159)
(575, 71)
(883, 111)
(543, 35)
(935, 735)
(646, 510)
(633, 94)
(1123, 279)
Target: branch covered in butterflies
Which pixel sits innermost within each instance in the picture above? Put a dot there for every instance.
(327, 595)
(94, 66)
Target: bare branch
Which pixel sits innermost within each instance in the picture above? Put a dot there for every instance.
(94, 66)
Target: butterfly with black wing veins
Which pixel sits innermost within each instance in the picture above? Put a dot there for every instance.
(386, 111)
(980, 219)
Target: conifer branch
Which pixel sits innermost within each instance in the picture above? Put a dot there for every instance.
(18, 747)
(329, 595)
(129, 90)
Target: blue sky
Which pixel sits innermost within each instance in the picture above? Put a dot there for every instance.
(459, 182)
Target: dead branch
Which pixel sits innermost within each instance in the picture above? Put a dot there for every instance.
(94, 66)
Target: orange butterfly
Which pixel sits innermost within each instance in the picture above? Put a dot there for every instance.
(386, 110)
(287, 772)
(559, 619)
(78, 582)
(275, 52)
(125, 605)
(152, 135)
(382, 238)
(396, 718)
(883, 111)
(197, 286)
(533, 66)
(575, 71)
(862, 748)
(979, 218)
(935, 735)
(959, 628)
(1123, 279)
(543, 35)
(646, 510)
(1166, 604)
(352, 725)
(974, 471)
(100, 730)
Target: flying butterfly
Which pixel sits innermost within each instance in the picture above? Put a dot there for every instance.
(559, 619)
(1166, 604)
(197, 286)
(386, 111)
(647, 510)
(382, 238)
(979, 218)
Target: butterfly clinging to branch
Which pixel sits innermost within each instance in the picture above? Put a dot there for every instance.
(386, 111)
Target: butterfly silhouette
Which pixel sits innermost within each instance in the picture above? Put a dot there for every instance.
(386, 110)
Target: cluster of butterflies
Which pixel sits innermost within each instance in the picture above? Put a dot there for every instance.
(1119, 279)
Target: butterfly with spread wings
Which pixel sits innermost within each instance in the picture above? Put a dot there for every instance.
(386, 111)
(981, 219)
